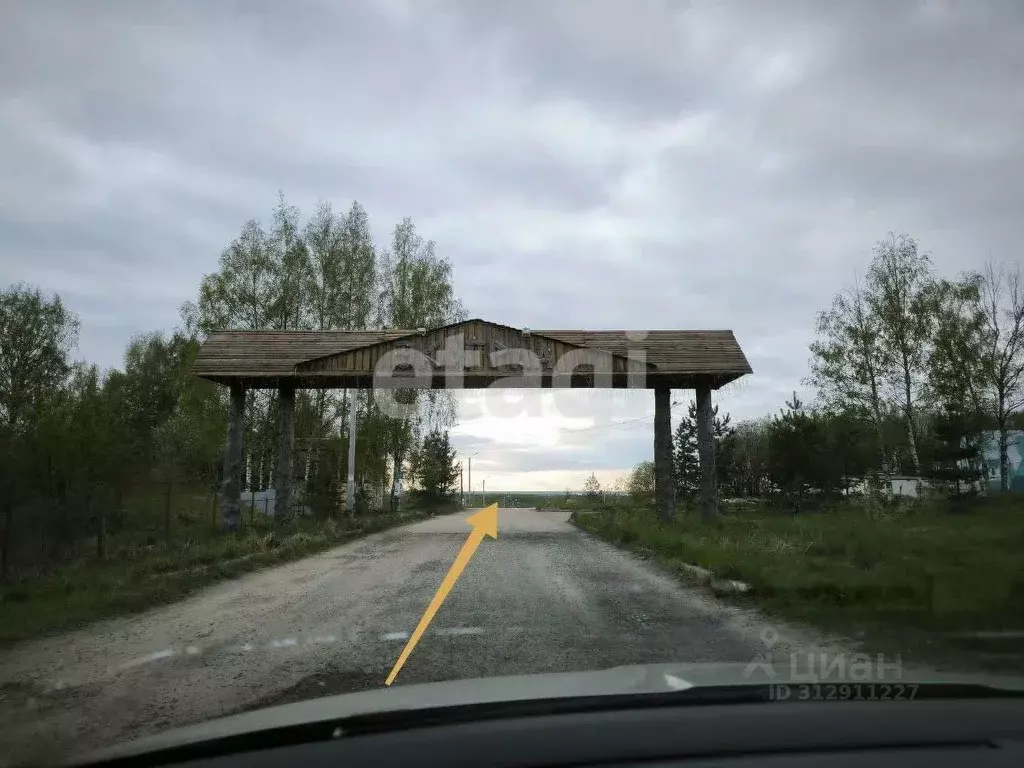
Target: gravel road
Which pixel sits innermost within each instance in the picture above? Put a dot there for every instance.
(543, 597)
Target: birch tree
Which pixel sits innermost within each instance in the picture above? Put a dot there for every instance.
(325, 291)
(358, 282)
(326, 275)
(956, 360)
(1002, 299)
(36, 336)
(290, 268)
(416, 291)
(341, 292)
(846, 360)
(239, 295)
(323, 239)
(416, 286)
(288, 311)
(900, 292)
(244, 294)
(358, 270)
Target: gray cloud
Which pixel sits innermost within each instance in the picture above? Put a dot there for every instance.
(587, 163)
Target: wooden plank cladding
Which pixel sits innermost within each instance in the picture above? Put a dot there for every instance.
(479, 347)
(480, 352)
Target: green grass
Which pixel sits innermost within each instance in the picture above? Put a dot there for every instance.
(143, 568)
(906, 578)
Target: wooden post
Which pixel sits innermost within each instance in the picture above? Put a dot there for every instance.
(706, 452)
(282, 497)
(664, 497)
(231, 484)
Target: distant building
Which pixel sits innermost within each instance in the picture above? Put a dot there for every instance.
(904, 485)
(912, 487)
(990, 459)
(895, 485)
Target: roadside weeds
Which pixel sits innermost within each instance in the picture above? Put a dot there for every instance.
(137, 578)
(936, 588)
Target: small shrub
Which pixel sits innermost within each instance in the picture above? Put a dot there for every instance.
(627, 536)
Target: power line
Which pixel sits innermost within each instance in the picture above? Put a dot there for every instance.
(595, 427)
(648, 417)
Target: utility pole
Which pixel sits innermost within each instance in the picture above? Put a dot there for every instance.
(469, 477)
(462, 488)
(351, 487)
(483, 493)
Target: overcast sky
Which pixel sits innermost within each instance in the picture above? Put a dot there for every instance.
(591, 164)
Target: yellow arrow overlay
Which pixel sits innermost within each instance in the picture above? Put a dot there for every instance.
(485, 523)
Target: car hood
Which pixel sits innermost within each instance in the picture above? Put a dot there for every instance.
(636, 679)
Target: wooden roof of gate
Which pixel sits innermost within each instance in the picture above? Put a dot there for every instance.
(262, 359)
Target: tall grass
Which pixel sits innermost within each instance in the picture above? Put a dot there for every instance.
(143, 567)
(916, 565)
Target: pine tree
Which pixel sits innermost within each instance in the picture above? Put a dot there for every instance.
(796, 451)
(685, 459)
(686, 466)
(437, 469)
(956, 458)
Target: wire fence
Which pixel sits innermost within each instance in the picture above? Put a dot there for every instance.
(46, 532)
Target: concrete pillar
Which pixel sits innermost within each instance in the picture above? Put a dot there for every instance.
(285, 446)
(663, 492)
(231, 484)
(706, 453)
